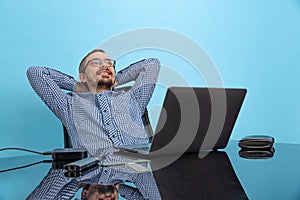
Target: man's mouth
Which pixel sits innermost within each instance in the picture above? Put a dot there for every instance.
(104, 73)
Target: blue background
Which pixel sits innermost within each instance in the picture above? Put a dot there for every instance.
(254, 44)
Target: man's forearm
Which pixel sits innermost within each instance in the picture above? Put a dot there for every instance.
(36, 75)
(149, 66)
(49, 85)
(145, 74)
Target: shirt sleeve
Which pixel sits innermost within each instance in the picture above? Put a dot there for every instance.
(49, 85)
(145, 74)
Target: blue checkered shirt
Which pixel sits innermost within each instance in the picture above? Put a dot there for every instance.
(99, 120)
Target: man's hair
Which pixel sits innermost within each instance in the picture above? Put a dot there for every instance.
(81, 68)
(101, 189)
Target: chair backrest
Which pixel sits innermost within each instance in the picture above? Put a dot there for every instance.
(145, 118)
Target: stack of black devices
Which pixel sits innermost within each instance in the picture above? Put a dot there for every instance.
(257, 147)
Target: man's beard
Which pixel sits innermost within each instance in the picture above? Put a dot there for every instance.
(105, 84)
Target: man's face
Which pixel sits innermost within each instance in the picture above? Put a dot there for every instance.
(98, 70)
(100, 192)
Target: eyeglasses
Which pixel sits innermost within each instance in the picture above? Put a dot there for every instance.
(97, 62)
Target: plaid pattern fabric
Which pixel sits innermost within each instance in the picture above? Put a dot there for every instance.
(96, 121)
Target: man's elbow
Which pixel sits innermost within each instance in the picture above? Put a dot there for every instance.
(34, 71)
(154, 62)
(31, 70)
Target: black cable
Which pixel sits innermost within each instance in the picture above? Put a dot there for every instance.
(28, 150)
(24, 166)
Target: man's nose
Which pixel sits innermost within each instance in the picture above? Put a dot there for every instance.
(104, 66)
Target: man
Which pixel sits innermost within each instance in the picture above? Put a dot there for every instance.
(95, 115)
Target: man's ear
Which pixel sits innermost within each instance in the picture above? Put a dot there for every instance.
(84, 193)
(82, 77)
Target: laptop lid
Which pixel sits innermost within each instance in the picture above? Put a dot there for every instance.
(194, 119)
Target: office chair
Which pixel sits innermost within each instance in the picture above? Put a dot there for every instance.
(145, 119)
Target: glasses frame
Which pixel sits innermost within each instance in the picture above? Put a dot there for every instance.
(101, 62)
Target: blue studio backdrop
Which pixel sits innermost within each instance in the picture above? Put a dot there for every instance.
(249, 44)
(252, 44)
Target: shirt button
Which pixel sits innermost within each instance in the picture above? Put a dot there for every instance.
(107, 123)
(114, 136)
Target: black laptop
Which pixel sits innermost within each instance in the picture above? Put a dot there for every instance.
(193, 119)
